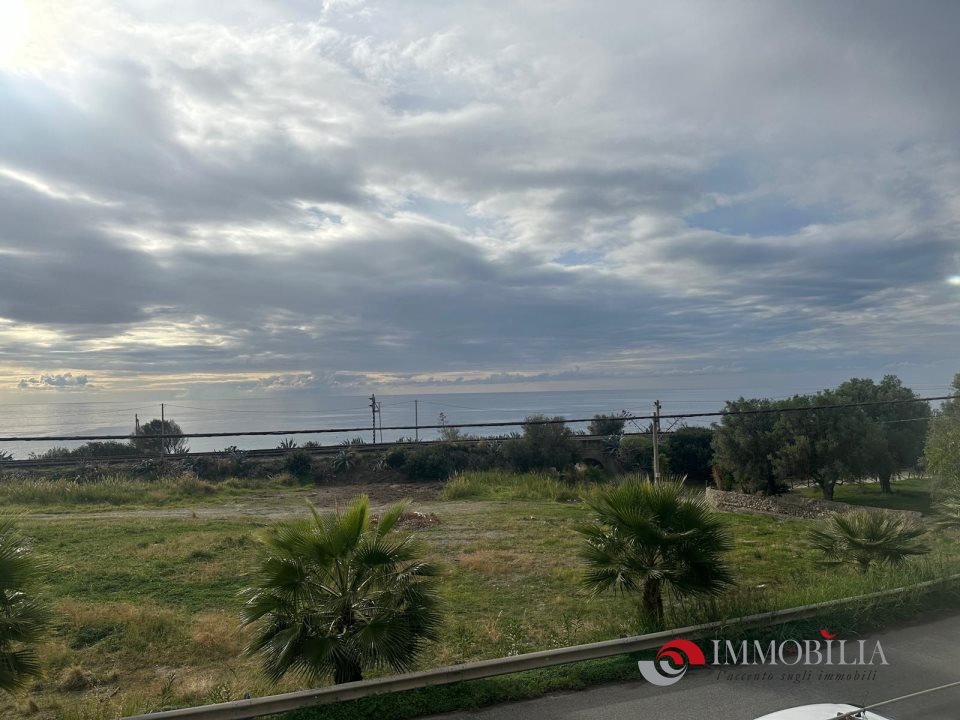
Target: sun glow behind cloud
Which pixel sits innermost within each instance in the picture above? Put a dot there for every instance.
(29, 34)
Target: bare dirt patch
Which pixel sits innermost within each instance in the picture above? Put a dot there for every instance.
(273, 505)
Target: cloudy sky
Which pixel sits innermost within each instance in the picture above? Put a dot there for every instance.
(351, 195)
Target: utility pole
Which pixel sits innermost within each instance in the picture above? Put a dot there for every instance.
(136, 424)
(416, 421)
(656, 441)
(380, 418)
(163, 431)
(373, 413)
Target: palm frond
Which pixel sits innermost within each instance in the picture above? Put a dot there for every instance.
(22, 617)
(340, 594)
(647, 534)
(865, 538)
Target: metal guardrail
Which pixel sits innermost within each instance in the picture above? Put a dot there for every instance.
(256, 707)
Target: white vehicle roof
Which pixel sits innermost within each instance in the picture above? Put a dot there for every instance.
(822, 711)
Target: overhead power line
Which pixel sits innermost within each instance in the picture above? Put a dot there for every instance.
(511, 423)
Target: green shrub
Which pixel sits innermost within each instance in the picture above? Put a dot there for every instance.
(635, 453)
(607, 424)
(690, 454)
(543, 445)
(396, 459)
(428, 464)
(298, 463)
(214, 468)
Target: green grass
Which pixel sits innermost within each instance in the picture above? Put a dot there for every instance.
(504, 485)
(908, 494)
(31, 494)
(148, 606)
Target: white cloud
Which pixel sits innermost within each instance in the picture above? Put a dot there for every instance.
(476, 190)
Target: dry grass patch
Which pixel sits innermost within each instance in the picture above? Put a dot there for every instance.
(216, 636)
(494, 563)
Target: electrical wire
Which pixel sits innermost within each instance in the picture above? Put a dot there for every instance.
(511, 423)
(857, 714)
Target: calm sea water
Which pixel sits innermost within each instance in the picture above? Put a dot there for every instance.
(303, 412)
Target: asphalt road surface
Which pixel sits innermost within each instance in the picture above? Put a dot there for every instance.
(920, 656)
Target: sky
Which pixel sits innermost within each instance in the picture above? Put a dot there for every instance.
(427, 196)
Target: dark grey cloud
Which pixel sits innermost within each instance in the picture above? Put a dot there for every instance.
(317, 195)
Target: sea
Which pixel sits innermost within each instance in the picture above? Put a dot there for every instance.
(350, 416)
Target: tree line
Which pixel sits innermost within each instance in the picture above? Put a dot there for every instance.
(799, 439)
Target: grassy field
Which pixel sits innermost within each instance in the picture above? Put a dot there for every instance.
(29, 494)
(146, 606)
(908, 494)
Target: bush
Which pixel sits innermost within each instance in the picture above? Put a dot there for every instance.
(396, 459)
(635, 454)
(214, 468)
(690, 453)
(298, 463)
(428, 464)
(87, 450)
(607, 424)
(542, 446)
(237, 461)
(147, 442)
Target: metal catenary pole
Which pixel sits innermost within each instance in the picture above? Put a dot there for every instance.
(373, 414)
(656, 441)
(163, 431)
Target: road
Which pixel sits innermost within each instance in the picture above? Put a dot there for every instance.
(920, 656)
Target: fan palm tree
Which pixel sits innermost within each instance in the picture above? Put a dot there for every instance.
(22, 618)
(947, 509)
(865, 538)
(650, 537)
(340, 593)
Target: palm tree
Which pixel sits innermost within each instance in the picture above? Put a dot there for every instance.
(22, 618)
(864, 538)
(338, 594)
(650, 537)
(947, 509)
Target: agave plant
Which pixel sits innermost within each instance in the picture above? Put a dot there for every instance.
(344, 460)
(339, 594)
(648, 538)
(287, 444)
(867, 538)
(22, 618)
